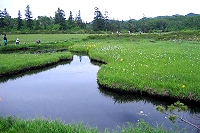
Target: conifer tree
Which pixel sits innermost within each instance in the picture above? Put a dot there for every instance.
(60, 19)
(19, 21)
(70, 22)
(6, 19)
(98, 22)
(1, 19)
(78, 20)
(107, 22)
(28, 17)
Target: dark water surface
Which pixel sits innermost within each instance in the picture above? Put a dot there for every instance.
(69, 92)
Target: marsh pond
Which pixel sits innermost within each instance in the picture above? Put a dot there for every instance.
(69, 92)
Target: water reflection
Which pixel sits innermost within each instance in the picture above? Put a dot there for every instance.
(192, 116)
(30, 72)
(69, 92)
(126, 98)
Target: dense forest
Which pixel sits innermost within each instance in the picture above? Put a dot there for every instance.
(101, 23)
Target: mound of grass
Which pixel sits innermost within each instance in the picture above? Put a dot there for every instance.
(142, 63)
(30, 48)
(30, 55)
(15, 63)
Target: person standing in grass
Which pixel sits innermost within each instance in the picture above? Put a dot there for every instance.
(17, 41)
(5, 40)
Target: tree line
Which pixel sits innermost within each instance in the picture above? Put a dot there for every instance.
(101, 23)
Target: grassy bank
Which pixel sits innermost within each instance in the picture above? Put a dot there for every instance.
(34, 48)
(148, 63)
(13, 125)
(30, 55)
(155, 64)
(16, 63)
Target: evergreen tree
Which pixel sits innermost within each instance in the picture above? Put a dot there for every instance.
(70, 21)
(107, 24)
(3, 15)
(60, 19)
(70, 17)
(19, 21)
(28, 17)
(79, 21)
(98, 22)
(6, 19)
(1, 19)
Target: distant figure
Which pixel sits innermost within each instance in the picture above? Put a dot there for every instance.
(119, 32)
(17, 41)
(0, 39)
(5, 40)
(130, 32)
(38, 41)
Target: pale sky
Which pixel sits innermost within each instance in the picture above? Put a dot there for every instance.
(117, 9)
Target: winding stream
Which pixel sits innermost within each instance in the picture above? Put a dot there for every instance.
(69, 92)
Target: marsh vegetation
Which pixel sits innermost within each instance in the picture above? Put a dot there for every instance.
(160, 65)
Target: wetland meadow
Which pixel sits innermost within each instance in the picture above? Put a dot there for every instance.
(152, 68)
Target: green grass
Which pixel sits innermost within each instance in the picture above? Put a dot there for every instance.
(165, 65)
(44, 38)
(13, 63)
(144, 63)
(34, 48)
(14, 125)
(29, 54)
